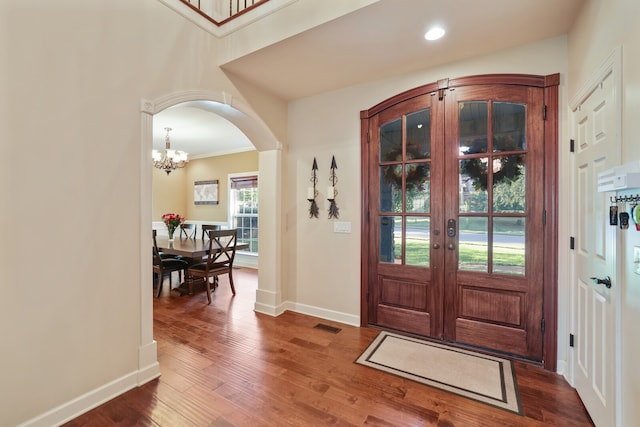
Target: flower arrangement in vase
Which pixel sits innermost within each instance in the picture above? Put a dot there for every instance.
(172, 221)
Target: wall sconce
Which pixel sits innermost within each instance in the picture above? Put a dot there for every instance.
(312, 192)
(331, 190)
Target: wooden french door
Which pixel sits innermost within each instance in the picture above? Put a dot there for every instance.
(454, 214)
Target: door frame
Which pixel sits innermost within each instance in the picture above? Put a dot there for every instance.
(550, 85)
(270, 161)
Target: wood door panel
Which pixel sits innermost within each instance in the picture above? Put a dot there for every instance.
(488, 305)
(408, 320)
(479, 280)
(406, 272)
(496, 337)
(405, 294)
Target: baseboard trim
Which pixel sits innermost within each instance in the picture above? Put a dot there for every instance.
(264, 309)
(268, 309)
(323, 313)
(148, 363)
(309, 310)
(84, 403)
(148, 373)
(94, 398)
(561, 368)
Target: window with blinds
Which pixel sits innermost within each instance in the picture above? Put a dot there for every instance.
(244, 209)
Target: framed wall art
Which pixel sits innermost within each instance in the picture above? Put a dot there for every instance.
(205, 192)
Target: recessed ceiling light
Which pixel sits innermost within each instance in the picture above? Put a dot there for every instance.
(434, 34)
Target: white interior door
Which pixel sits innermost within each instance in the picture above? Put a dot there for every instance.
(594, 356)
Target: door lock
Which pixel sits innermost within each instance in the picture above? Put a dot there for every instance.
(451, 228)
(606, 281)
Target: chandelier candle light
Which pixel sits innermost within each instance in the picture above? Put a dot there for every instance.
(170, 159)
(312, 192)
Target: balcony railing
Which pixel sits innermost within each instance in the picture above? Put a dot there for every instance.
(220, 12)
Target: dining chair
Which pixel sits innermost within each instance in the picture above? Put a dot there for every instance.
(206, 227)
(221, 253)
(163, 266)
(188, 231)
(171, 256)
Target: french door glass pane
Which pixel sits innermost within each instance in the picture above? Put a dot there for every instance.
(509, 126)
(391, 141)
(401, 170)
(473, 185)
(417, 241)
(509, 245)
(418, 187)
(509, 190)
(391, 239)
(473, 127)
(473, 244)
(391, 188)
(418, 135)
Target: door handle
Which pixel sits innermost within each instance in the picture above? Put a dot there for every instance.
(606, 281)
(451, 228)
(436, 246)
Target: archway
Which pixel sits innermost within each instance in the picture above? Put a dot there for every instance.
(269, 293)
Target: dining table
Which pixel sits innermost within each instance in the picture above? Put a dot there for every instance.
(190, 248)
(192, 251)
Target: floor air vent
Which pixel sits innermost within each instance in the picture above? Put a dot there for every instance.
(327, 328)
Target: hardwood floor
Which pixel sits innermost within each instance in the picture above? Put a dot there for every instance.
(225, 365)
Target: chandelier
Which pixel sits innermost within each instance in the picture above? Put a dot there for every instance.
(170, 159)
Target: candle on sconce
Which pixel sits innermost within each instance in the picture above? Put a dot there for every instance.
(311, 193)
(331, 192)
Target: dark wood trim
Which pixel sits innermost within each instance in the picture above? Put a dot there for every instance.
(224, 21)
(242, 12)
(499, 79)
(485, 79)
(552, 80)
(401, 97)
(364, 220)
(550, 275)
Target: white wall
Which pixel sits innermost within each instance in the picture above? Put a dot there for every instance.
(323, 266)
(72, 78)
(603, 26)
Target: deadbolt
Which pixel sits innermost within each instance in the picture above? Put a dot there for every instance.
(451, 228)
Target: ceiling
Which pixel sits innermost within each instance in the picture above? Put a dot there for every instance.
(372, 43)
(387, 39)
(196, 129)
